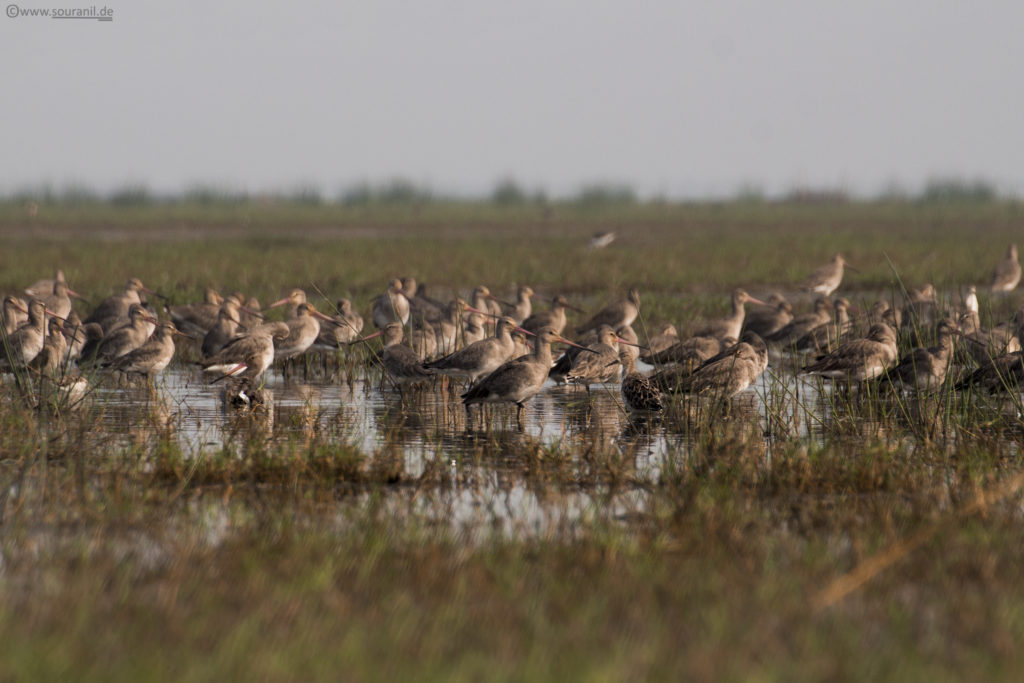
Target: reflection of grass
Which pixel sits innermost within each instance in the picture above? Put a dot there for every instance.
(298, 558)
(290, 553)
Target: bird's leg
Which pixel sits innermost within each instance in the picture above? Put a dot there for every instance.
(726, 408)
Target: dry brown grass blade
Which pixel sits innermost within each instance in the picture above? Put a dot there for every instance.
(846, 584)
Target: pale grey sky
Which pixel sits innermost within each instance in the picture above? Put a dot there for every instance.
(681, 99)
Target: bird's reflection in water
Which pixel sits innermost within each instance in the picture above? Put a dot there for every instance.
(430, 422)
(247, 410)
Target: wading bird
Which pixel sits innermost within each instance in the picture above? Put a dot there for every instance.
(827, 278)
(519, 380)
(615, 314)
(860, 359)
(1006, 274)
(638, 392)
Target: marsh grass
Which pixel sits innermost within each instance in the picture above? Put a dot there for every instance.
(290, 552)
(312, 557)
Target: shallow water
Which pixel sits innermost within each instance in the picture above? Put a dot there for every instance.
(431, 422)
(480, 488)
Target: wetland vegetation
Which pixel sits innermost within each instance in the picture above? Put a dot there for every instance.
(799, 533)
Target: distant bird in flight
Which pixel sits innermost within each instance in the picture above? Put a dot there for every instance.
(600, 240)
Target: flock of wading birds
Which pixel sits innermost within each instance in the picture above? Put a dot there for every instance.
(45, 338)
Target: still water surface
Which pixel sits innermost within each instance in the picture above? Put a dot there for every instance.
(431, 428)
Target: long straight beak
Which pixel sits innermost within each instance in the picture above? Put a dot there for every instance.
(233, 371)
(486, 314)
(756, 301)
(147, 290)
(367, 337)
(45, 310)
(250, 311)
(629, 343)
(342, 322)
(280, 302)
(570, 343)
(75, 295)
